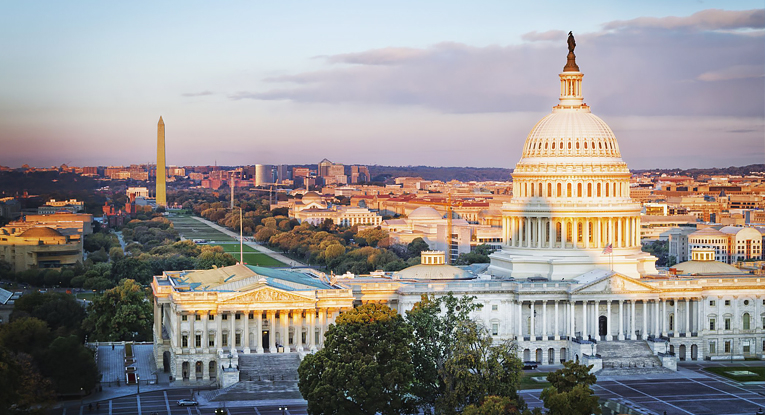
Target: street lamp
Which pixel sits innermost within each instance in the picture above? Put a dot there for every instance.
(283, 409)
(138, 382)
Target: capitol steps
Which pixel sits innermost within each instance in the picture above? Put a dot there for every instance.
(268, 366)
(628, 357)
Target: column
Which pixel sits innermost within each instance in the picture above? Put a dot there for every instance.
(527, 225)
(701, 323)
(192, 333)
(532, 331)
(284, 319)
(322, 326)
(618, 233)
(551, 243)
(563, 233)
(178, 334)
(584, 319)
(645, 320)
(232, 332)
(246, 332)
(519, 335)
(656, 330)
(271, 331)
(664, 318)
(675, 320)
(557, 317)
(609, 337)
(311, 329)
(259, 331)
(621, 320)
(206, 334)
(511, 232)
(218, 333)
(205, 369)
(632, 320)
(599, 233)
(297, 322)
(544, 320)
(575, 233)
(586, 233)
(688, 316)
(571, 307)
(157, 322)
(611, 233)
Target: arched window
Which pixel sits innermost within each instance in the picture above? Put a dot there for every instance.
(568, 188)
(557, 232)
(577, 145)
(525, 189)
(746, 321)
(607, 189)
(540, 190)
(590, 231)
(559, 190)
(585, 145)
(598, 189)
(569, 145)
(578, 190)
(553, 146)
(589, 189)
(532, 190)
(549, 190)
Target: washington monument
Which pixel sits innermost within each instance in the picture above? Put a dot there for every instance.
(161, 169)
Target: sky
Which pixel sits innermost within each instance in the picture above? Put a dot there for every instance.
(440, 83)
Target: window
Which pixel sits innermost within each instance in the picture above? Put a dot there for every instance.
(494, 307)
(711, 324)
(494, 329)
(746, 347)
(224, 339)
(712, 347)
(711, 303)
(727, 302)
(197, 317)
(224, 316)
(745, 321)
(198, 340)
(184, 317)
(237, 316)
(727, 346)
(211, 340)
(727, 323)
(746, 302)
(184, 341)
(238, 339)
(672, 322)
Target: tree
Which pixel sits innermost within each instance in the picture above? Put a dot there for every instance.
(70, 365)
(131, 268)
(434, 322)
(365, 366)
(498, 405)
(122, 313)
(28, 335)
(60, 311)
(416, 247)
(371, 236)
(479, 368)
(570, 392)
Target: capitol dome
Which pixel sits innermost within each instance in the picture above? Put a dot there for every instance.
(571, 210)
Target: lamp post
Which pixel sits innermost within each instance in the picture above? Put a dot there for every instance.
(138, 382)
(283, 409)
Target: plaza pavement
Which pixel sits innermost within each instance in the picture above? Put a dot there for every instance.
(262, 249)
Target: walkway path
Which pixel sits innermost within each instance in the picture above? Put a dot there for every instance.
(262, 249)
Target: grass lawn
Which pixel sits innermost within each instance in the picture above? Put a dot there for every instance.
(758, 373)
(234, 247)
(85, 296)
(262, 260)
(528, 383)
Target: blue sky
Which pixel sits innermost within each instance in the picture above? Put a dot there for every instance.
(395, 83)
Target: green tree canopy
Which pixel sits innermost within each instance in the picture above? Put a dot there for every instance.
(570, 391)
(70, 365)
(479, 368)
(365, 366)
(122, 313)
(60, 311)
(416, 247)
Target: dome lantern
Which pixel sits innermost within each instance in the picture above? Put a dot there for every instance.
(571, 82)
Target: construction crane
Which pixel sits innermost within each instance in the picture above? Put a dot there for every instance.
(449, 228)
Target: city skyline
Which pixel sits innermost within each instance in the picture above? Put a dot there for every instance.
(402, 85)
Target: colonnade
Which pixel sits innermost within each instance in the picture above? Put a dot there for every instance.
(542, 320)
(571, 233)
(250, 331)
(557, 190)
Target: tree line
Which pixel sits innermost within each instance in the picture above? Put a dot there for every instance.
(433, 360)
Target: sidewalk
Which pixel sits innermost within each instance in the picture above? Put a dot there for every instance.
(262, 249)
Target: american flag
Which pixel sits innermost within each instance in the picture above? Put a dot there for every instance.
(608, 249)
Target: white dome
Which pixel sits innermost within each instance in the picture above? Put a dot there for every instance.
(425, 212)
(571, 134)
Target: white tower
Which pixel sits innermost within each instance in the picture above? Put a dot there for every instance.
(571, 197)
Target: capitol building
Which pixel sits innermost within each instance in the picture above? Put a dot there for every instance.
(569, 283)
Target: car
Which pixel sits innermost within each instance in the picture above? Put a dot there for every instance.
(530, 365)
(187, 402)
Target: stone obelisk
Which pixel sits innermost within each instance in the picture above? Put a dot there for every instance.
(161, 168)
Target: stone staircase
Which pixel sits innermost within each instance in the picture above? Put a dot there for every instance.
(628, 357)
(268, 367)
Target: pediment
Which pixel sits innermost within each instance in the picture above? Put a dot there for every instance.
(270, 295)
(615, 284)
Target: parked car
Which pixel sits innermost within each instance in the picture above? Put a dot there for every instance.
(530, 365)
(187, 402)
